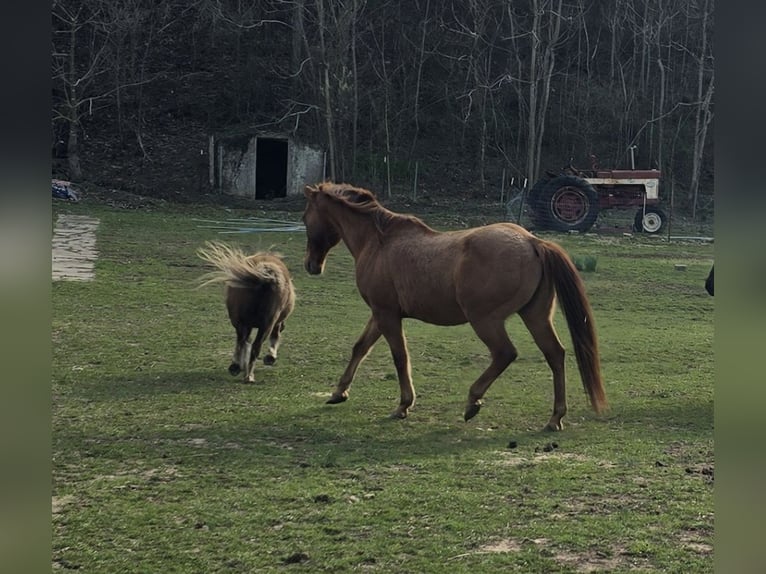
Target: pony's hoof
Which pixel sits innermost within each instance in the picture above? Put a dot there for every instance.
(269, 360)
(472, 410)
(234, 369)
(398, 414)
(336, 398)
(249, 380)
(554, 427)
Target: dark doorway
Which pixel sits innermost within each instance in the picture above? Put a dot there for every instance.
(270, 168)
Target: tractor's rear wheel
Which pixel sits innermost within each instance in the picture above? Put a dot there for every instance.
(567, 203)
(650, 220)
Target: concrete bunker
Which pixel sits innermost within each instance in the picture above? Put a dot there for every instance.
(263, 165)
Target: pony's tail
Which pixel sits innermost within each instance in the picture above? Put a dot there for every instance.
(570, 292)
(235, 268)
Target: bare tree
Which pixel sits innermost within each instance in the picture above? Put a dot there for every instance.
(419, 77)
(326, 88)
(704, 113)
(506, 83)
(545, 34)
(79, 46)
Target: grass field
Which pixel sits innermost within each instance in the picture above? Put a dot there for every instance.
(162, 462)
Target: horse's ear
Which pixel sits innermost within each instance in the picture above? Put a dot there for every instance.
(358, 195)
(309, 191)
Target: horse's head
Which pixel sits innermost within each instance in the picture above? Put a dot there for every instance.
(321, 234)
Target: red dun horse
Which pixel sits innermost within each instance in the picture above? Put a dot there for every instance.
(481, 276)
(259, 295)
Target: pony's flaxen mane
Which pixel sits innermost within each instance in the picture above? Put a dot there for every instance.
(364, 201)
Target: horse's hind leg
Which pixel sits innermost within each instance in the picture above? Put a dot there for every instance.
(271, 355)
(366, 340)
(541, 327)
(255, 350)
(241, 351)
(493, 334)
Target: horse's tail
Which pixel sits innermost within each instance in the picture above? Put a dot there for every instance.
(236, 269)
(570, 292)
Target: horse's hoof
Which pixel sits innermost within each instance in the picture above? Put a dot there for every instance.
(472, 410)
(234, 369)
(554, 427)
(398, 415)
(269, 360)
(249, 380)
(335, 399)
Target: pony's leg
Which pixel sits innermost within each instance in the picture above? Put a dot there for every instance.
(271, 355)
(241, 351)
(391, 327)
(503, 353)
(544, 335)
(362, 347)
(255, 350)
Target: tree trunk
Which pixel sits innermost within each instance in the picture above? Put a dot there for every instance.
(325, 83)
(418, 78)
(660, 115)
(532, 106)
(549, 60)
(296, 41)
(355, 80)
(702, 115)
(540, 83)
(73, 143)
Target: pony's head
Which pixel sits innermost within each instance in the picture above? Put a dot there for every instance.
(321, 234)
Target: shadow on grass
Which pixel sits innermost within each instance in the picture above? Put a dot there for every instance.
(147, 384)
(207, 420)
(676, 413)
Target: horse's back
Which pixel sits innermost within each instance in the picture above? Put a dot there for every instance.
(506, 240)
(448, 278)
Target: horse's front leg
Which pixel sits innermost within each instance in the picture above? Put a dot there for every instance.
(391, 327)
(362, 347)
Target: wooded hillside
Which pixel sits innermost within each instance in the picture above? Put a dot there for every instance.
(469, 90)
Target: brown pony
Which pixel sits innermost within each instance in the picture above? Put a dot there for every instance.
(259, 295)
(405, 269)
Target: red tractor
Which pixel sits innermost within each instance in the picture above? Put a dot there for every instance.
(572, 199)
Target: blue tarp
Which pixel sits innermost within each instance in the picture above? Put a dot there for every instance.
(61, 190)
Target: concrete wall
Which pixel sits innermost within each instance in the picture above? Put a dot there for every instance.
(305, 167)
(238, 168)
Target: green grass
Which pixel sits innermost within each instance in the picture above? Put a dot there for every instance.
(164, 463)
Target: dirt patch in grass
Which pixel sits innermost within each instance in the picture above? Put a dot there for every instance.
(595, 561)
(606, 560)
(60, 503)
(515, 459)
(693, 540)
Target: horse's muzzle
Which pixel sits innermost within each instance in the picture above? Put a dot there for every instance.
(313, 268)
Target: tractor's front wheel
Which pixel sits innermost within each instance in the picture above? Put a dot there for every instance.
(650, 220)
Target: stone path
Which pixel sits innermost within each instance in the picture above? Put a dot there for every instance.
(74, 248)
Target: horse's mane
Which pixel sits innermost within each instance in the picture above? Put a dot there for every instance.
(364, 201)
